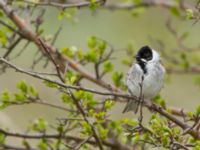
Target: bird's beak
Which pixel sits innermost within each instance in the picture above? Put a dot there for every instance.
(144, 60)
(137, 57)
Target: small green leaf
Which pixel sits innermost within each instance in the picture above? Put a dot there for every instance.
(3, 39)
(189, 14)
(26, 144)
(92, 42)
(127, 61)
(33, 91)
(100, 115)
(175, 11)
(109, 104)
(19, 97)
(91, 55)
(135, 139)
(102, 47)
(137, 11)
(117, 78)
(66, 51)
(159, 100)
(198, 110)
(107, 66)
(103, 133)
(50, 84)
(70, 78)
(42, 145)
(130, 122)
(5, 97)
(39, 125)
(1, 13)
(86, 128)
(22, 86)
(2, 138)
(93, 5)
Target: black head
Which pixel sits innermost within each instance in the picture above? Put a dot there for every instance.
(145, 53)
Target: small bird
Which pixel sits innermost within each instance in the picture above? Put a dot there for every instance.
(145, 77)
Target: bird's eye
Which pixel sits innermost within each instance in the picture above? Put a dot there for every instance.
(148, 56)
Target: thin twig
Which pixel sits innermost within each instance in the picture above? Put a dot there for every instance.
(79, 4)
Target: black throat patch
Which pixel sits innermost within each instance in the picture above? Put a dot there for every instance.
(144, 55)
(143, 66)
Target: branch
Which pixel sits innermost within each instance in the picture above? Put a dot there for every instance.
(184, 126)
(44, 78)
(78, 4)
(151, 3)
(9, 147)
(65, 137)
(60, 59)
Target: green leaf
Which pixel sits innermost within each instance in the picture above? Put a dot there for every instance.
(137, 11)
(61, 15)
(103, 133)
(135, 139)
(185, 63)
(66, 51)
(159, 100)
(130, 49)
(91, 56)
(107, 66)
(117, 78)
(42, 145)
(2, 138)
(102, 46)
(1, 13)
(70, 78)
(5, 97)
(189, 14)
(33, 91)
(66, 98)
(109, 104)
(26, 144)
(22, 86)
(50, 84)
(67, 13)
(19, 97)
(100, 115)
(39, 125)
(3, 38)
(197, 110)
(92, 42)
(93, 5)
(127, 61)
(130, 122)
(86, 128)
(175, 11)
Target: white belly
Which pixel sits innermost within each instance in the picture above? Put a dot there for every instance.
(152, 83)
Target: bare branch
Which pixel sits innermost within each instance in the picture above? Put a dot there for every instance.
(78, 4)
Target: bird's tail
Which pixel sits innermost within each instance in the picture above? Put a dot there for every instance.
(132, 105)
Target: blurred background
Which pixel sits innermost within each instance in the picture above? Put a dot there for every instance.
(119, 28)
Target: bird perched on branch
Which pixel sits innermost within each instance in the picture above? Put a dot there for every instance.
(145, 78)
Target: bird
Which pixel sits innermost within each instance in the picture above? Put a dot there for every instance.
(145, 78)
